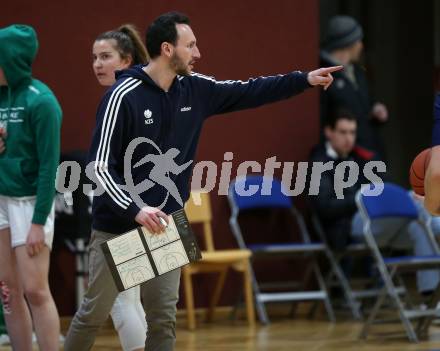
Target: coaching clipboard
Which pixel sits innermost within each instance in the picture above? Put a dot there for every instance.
(138, 256)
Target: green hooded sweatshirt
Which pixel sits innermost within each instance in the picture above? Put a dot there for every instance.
(32, 117)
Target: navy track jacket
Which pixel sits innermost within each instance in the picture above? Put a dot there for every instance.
(135, 107)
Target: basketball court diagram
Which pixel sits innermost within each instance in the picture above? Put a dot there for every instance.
(135, 271)
(169, 257)
(156, 241)
(167, 249)
(126, 247)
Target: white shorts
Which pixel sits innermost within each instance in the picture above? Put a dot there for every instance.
(16, 214)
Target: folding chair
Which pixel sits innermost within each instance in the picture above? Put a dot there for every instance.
(395, 201)
(214, 261)
(276, 199)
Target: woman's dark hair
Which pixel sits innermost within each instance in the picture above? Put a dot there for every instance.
(128, 43)
(163, 29)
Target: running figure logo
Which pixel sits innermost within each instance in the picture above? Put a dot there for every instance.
(163, 165)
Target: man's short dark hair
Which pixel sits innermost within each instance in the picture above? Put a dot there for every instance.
(337, 115)
(163, 29)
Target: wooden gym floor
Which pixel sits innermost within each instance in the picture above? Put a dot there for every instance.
(283, 334)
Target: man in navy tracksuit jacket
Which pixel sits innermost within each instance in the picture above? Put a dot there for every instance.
(164, 104)
(175, 121)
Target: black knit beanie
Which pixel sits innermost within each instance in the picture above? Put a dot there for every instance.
(342, 31)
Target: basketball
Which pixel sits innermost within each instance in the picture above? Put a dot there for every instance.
(417, 171)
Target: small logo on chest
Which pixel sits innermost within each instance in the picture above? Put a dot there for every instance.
(148, 117)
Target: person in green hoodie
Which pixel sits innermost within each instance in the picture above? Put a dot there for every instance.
(30, 123)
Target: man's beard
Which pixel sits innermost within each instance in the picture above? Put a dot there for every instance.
(179, 66)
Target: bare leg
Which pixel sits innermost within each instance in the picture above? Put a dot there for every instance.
(16, 311)
(34, 275)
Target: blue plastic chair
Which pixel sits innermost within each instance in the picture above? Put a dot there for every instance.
(257, 192)
(394, 201)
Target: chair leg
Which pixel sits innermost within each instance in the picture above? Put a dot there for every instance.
(424, 323)
(321, 283)
(261, 309)
(336, 270)
(380, 299)
(389, 286)
(189, 299)
(347, 291)
(313, 309)
(396, 299)
(293, 309)
(216, 295)
(309, 274)
(248, 294)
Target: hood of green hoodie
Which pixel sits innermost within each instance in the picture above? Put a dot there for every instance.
(18, 47)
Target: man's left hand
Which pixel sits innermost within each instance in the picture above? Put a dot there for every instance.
(322, 76)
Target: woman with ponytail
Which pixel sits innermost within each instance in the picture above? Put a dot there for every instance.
(116, 50)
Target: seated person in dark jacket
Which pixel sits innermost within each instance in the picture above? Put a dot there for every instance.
(336, 214)
(337, 211)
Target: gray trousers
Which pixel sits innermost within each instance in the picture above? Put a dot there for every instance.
(159, 297)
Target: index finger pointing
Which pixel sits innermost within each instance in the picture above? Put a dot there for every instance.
(327, 70)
